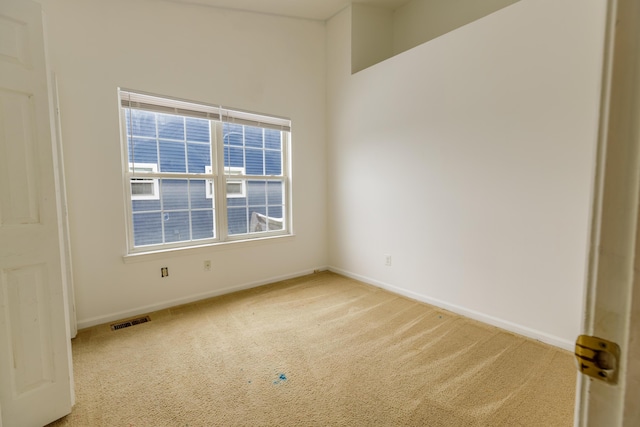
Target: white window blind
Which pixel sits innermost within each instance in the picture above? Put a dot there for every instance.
(143, 101)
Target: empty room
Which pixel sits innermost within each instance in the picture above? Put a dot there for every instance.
(287, 212)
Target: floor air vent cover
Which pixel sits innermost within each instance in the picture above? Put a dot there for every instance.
(127, 323)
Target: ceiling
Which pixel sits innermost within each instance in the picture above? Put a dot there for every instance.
(308, 9)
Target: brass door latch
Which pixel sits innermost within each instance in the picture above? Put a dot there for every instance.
(598, 358)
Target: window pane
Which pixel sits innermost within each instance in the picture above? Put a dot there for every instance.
(170, 127)
(234, 157)
(253, 156)
(147, 228)
(260, 222)
(265, 206)
(257, 219)
(143, 151)
(253, 137)
(237, 220)
(174, 193)
(273, 162)
(274, 212)
(171, 212)
(275, 191)
(143, 123)
(261, 196)
(256, 192)
(146, 205)
(272, 139)
(198, 130)
(199, 156)
(172, 157)
(176, 226)
(255, 162)
(232, 134)
(197, 191)
(236, 201)
(202, 224)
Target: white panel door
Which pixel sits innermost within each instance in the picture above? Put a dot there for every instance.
(35, 357)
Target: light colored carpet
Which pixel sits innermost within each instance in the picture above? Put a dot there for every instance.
(320, 350)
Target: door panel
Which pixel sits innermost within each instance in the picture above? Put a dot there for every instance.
(27, 295)
(18, 195)
(14, 45)
(35, 351)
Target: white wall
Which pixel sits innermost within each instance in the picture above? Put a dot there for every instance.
(469, 160)
(249, 61)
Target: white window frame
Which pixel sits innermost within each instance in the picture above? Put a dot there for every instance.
(217, 175)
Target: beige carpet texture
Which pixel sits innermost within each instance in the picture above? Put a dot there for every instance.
(319, 350)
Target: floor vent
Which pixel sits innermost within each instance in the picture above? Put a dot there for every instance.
(132, 322)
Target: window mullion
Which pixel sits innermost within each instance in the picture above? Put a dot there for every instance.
(264, 154)
(161, 210)
(220, 196)
(244, 163)
(160, 182)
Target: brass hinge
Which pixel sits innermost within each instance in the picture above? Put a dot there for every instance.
(598, 358)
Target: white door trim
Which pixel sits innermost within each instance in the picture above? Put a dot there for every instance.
(612, 273)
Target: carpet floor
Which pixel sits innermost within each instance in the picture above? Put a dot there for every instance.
(320, 350)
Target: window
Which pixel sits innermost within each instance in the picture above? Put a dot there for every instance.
(199, 174)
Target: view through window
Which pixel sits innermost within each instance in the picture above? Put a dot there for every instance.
(198, 173)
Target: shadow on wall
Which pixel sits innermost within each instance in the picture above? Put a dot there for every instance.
(380, 33)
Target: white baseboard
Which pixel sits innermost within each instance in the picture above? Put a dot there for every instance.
(472, 314)
(98, 320)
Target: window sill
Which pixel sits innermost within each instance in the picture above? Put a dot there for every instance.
(208, 248)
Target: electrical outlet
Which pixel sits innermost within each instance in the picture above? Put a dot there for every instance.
(387, 260)
(207, 265)
(164, 272)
